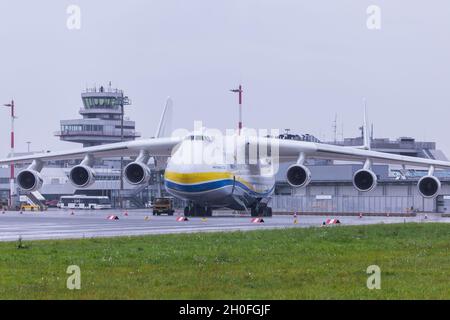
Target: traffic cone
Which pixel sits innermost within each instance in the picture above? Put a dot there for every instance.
(72, 213)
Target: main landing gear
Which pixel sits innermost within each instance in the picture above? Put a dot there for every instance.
(197, 211)
(261, 210)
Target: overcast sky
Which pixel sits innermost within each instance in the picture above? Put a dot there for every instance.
(300, 62)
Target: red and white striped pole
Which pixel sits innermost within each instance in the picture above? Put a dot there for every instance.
(11, 177)
(240, 106)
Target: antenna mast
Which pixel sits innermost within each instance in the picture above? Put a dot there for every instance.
(335, 128)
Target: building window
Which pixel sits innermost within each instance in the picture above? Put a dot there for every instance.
(79, 128)
(100, 103)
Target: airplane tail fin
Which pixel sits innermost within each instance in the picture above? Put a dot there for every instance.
(165, 123)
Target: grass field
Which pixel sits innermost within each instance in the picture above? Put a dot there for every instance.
(313, 263)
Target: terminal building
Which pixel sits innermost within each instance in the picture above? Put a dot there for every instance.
(330, 191)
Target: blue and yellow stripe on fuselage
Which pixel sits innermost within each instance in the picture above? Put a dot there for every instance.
(204, 182)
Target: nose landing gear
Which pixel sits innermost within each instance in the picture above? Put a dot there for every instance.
(196, 210)
(261, 210)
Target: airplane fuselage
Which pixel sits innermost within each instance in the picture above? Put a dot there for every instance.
(234, 185)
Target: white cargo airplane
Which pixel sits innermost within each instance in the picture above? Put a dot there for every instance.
(223, 184)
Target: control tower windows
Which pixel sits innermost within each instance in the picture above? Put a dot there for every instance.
(100, 103)
(79, 127)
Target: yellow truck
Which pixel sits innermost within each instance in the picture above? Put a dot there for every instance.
(163, 206)
(29, 207)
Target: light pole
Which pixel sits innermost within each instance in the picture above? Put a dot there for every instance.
(28, 146)
(11, 177)
(240, 106)
(122, 101)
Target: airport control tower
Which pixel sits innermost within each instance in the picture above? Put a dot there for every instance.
(103, 119)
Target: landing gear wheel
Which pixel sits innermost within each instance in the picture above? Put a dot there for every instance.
(197, 211)
(262, 211)
(201, 211)
(267, 212)
(194, 211)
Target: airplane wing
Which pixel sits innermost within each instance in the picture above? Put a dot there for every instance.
(290, 150)
(155, 147)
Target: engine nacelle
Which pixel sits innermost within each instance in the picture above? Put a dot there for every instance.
(298, 176)
(364, 180)
(429, 186)
(29, 180)
(82, 176)
(136, 173)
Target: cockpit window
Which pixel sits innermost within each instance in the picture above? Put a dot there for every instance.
(199, 138)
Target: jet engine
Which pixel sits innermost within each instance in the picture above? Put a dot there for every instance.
(82, 176)
(137, 173)
(364, 180)
(429, 186)
(29, 180)
(298, 175)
